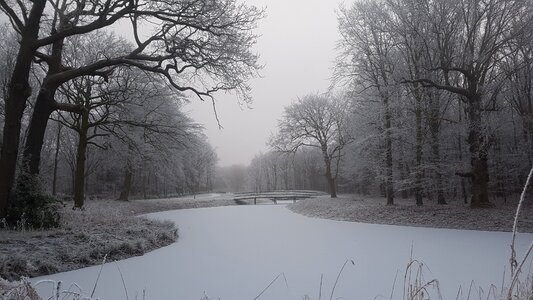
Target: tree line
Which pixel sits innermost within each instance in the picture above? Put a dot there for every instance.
(440, 100)
(114, 101)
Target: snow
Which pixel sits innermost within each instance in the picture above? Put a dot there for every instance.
(235, 252)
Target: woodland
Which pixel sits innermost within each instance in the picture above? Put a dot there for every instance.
(430, 100)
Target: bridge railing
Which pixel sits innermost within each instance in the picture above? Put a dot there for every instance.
(276, 196)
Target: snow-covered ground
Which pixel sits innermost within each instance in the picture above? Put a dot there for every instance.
(235, 252)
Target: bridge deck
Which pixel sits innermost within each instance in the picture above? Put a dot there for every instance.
(275, 196)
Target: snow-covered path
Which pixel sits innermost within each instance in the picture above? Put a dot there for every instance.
(235, 252)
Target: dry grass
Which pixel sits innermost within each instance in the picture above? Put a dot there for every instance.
(17, 290)
(357, 208)
(83, 239)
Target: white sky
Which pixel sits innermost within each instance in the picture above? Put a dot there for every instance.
(297, 48)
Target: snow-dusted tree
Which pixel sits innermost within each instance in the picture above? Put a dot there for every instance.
(129, 99)
(199, 163)
(471, 38)
(367, 62)
(8, 48)
(199, 46)
(316, 121)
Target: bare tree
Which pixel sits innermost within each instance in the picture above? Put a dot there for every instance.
(199, 164)
(471, 37)
(199, 46)
(367, 61)
(316, 121)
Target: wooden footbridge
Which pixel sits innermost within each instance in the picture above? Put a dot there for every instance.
(276, 197)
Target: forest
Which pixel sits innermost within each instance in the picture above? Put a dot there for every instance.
(93, 96)
(429, 99)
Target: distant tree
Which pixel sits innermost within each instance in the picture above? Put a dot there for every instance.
(234, 177)
(199, 164)
(316, 121)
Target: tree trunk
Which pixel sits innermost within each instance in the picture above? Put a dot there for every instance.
(478, 155)
(144, 184)
(389, 186)
(418, 150)
(19, 91)
(434, 126)
(126, 186)
(460, 146)
(56, 159)
(44, 106)
(79, 181)
(329, 178)
(37, 128)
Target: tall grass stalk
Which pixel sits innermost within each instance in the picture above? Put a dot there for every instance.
(339, 275)
(271, 283)
(98, 277)
(515, 267)
(123, 282)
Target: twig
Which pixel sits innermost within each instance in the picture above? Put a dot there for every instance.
(123, 282)
(99, 273)
(519, 207)
(338, 276)
(394, 284)
(320, 290)
(517, 271)
(513, 261)
(272, 282)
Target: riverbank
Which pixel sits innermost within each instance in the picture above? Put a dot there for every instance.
(455, 215)
(105, 228)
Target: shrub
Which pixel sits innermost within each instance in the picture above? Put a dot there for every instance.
(30, 207)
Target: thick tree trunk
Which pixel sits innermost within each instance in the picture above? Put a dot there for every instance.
(478, 145)
(44, 106)
(37, 128)
(18, 93)
(79, 181)
(126, 186)
(329, 176)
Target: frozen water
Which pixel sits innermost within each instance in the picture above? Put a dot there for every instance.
(235, 252)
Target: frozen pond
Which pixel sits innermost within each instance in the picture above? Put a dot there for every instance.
(235, 252)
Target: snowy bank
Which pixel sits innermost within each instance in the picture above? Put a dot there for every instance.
(83, 239)
(356, 208)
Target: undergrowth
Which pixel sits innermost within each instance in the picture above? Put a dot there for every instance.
(83, 239)
(30, 207)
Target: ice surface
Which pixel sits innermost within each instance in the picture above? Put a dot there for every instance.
(235, 252)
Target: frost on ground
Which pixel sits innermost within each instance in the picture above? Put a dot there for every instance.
(17, 290)
(85, 237)
(455, 215)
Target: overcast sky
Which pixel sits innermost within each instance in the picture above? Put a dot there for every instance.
(297, 47)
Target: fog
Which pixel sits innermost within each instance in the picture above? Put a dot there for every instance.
(297, 48)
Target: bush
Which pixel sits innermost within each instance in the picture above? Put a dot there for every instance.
(30, 207)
